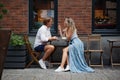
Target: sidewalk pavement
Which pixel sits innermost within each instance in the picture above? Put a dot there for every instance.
(49, 74)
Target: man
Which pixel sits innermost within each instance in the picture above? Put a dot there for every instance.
(42, 37)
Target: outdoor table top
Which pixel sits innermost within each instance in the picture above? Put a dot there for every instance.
(59, 42)
(113, 40)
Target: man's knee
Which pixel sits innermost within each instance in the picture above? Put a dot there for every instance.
(52, 47)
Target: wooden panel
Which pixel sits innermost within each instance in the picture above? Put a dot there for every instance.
(4, 41)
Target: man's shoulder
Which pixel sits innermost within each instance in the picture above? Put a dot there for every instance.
(42, 28)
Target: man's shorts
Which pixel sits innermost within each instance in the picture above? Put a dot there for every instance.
(39, 48)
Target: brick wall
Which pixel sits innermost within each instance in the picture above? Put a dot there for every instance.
(79, 10)
(17, 17)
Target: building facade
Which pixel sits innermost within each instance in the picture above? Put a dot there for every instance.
(91, 17)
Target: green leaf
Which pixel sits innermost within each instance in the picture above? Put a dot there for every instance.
(16, 40)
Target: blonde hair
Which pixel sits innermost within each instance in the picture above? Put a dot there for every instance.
(70, 23)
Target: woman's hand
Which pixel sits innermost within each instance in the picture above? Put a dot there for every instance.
(60, 31)
(69, 33)
(59, 27)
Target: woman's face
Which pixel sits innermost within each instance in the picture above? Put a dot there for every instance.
(65, 24)
(49, 24)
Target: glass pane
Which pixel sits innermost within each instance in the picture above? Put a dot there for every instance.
(42, 9)
(105, 14)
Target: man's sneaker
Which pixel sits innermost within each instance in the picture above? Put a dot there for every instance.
(42, 64)
(59, 69)
(67, 68)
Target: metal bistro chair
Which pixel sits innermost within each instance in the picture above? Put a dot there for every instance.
(34, 55)
(94, 46)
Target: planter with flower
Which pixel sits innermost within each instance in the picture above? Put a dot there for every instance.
(16, 56)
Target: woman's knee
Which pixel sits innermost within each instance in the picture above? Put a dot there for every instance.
(65, 50)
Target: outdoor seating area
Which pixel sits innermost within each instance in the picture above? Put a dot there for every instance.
(55, 59)
(60, 44)
(88, 40)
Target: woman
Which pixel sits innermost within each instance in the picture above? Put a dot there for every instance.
(42, 37)
(74, 53)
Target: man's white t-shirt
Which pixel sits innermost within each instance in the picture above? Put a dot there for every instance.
(42, 36)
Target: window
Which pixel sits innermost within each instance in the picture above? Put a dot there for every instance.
(40, 9)
(105, 16)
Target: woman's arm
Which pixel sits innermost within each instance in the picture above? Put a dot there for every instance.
(60, 31)
(69, 33)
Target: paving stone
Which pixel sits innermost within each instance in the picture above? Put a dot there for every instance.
(50, 74)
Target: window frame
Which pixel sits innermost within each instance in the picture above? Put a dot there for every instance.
(106, 31)
(33, 32)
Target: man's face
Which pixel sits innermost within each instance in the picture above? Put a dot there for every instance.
(50, 23)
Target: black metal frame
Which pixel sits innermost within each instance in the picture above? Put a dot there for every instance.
(34, 31)
(106, 31)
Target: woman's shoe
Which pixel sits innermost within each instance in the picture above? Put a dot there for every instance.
(59, 69)
(67, 68)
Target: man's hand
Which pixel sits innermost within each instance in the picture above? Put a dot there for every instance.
(53, 38)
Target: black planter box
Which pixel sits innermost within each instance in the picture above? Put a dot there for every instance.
(16, 57)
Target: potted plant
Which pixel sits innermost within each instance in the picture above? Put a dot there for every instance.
(16, 56)
(16, 40)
